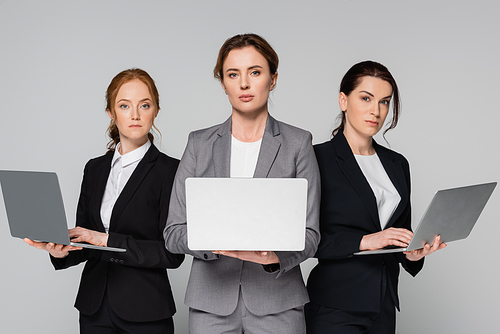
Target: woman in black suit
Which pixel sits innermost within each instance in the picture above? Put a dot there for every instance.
(365, 205)
(124, 203)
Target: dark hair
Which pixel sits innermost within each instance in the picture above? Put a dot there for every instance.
(241, 41)
(353, 78)
(112, 91)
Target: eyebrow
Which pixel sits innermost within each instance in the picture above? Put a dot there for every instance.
(127, 100)
(364, 91)
(237, 70)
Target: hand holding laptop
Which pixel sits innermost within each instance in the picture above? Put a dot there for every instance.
(260, 257)
(77, 234)
(399, 237)
(56, 250)
(418, 254)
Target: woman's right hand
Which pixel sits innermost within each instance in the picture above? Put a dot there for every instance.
(56, 250)
(399, 237)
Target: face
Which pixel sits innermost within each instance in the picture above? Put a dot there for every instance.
(247, 80)
(134, 113)
(366, 107)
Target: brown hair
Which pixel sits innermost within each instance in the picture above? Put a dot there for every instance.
(241, 41)
(353, 78)
(112, 91)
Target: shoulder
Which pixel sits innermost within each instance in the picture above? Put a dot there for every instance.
(389, 153)
(292, 135)
(206, 133)
(98, 161)
(323, 147)
(286, 128)
(167, 161)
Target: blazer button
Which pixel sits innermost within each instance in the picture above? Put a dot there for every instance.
(112, 259)
(205, 256)
(121, 261)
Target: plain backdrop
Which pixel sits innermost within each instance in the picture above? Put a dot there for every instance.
(58, 57)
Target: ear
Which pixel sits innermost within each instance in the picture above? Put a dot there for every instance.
(274, 79)
(223, 86)
(110, 114)
(342, 101)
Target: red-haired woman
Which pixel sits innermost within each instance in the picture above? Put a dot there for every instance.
(124, 203)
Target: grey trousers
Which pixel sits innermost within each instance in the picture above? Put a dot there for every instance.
(243, 321)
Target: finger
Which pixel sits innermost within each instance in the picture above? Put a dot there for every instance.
(401, 235)
(70, 248)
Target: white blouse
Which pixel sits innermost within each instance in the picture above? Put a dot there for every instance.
(122, 167)
(244, 157)
(385, 193)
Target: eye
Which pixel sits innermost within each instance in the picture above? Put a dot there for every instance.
(365, 98)
(145, 106)
(123, 106)
(232, 75)
(255, 72)
(385, 102)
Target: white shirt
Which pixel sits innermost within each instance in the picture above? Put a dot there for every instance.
(244, 157)
(385, 193)
(122, 167)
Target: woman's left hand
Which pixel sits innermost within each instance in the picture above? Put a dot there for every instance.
(80, 234)
(417, 254)
(260, 257)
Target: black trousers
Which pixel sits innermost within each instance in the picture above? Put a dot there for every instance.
(325, 320)
(105, 321)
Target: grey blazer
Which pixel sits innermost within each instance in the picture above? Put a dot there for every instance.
(214, 282)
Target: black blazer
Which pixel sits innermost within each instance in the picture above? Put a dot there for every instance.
(136, 281)
(348, 212)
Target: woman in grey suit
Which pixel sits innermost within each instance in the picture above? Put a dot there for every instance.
(245, 291)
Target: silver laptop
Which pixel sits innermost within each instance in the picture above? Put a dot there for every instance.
(246, 214)
(451, 214)
(35, 208)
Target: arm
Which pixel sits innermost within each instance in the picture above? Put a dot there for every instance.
(175, 233)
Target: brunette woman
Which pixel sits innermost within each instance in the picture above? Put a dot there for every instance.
(124, 203)
(365, 205)
(245, 291)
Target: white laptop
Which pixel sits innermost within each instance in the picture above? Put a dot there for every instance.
(35, 208)
(246, 213)
(451, 214)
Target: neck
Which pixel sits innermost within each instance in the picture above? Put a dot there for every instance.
(127, 145)
(360, 145)
(248, 127)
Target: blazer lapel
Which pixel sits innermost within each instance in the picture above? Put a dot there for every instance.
(269, 148)
(396, 174)
(98, 192)
(351, 170)
(221, 150)
(133, 183)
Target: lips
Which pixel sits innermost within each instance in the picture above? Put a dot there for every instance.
(135, 126)
(372, 123)
(246, 97)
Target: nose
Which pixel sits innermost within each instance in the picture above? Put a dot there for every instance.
(244, 83)
(135, 113)
(376, 110)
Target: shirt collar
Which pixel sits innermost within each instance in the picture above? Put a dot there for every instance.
(132, 156)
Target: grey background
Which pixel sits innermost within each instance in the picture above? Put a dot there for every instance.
(57, 58)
